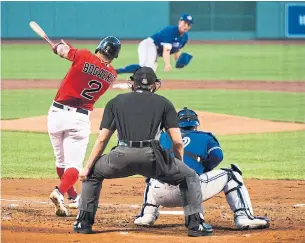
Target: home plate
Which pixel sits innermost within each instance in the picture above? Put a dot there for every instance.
(172, 212)
(299, 205)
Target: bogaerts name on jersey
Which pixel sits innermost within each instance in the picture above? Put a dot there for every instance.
(98, 72)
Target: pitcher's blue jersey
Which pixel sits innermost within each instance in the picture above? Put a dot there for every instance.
(199, 143)
(170, 35)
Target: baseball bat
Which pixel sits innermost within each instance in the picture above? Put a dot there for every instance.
(39, 31)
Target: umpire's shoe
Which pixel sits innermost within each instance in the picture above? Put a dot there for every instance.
(197, 227)
(82, 228)
(58, 199)
(84, 222)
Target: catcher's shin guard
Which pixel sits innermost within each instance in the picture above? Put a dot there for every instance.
(149, 216)
(149, 212)
(239, 200)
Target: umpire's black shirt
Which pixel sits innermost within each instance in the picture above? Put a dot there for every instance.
(139, 115)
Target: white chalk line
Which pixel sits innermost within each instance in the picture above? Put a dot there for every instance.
(40, 202)
(103, 204)
(299, 205)
(30, 201)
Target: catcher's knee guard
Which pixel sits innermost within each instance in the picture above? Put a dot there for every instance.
(239, 200)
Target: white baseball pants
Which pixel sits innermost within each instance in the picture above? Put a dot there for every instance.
(147, 52)
(69, 134)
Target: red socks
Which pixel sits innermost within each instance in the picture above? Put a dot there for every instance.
(60, 171)
(68, 179)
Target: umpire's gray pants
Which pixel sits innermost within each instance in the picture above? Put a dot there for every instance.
(124, 161)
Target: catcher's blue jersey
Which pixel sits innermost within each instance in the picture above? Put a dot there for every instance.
(170, 35)
(199, 143)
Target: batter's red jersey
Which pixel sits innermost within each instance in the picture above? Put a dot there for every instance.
(87, 79)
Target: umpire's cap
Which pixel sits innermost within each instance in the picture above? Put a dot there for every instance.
(144, 76)
(110, 47)
(187, 118)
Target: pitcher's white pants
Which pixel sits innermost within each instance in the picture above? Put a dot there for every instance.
(69, 134)
(147, 51)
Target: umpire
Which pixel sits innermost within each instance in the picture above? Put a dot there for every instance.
(138, 117)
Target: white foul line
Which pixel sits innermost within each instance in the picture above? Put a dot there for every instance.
(103, 204)
(14, 200)
(34, 201)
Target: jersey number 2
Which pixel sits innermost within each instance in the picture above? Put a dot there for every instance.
(186, 141)
(95, 86)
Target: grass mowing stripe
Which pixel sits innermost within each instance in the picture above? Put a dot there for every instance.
(26, 103)
(213, 62)
(279, 106)
(264, 156)
(29, 155)
(267, 156)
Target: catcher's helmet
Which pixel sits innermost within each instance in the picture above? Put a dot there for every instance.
(109, 46)
(187, 118)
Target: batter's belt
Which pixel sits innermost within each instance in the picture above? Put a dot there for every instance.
(79, 110)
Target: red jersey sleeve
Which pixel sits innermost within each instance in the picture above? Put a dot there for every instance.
(77, 54)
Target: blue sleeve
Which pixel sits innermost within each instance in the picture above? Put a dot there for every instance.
(214, 155)
(165, 141)
(167, 34)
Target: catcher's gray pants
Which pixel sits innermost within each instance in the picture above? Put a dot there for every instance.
(123, 162)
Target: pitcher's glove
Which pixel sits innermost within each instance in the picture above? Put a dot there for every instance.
(183, 60)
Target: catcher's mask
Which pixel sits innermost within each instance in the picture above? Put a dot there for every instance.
(144, 78)
(188, 119)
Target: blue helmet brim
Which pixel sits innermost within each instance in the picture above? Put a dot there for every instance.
(188, 124)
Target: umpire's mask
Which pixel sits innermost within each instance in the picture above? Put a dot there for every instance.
(144, 78)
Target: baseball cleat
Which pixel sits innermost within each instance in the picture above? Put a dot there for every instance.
(74, 203)
(78, 227)
(243, 222)
(147, 219)
(196, 226)
(202, 229)
(58, 199)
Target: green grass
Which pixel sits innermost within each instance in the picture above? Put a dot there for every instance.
(29, 155)
(27, 103)
(213, 62)
(279, 106)
(267, 156)
(264, 156)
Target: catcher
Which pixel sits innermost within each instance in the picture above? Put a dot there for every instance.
(168, 41)
(202, 153)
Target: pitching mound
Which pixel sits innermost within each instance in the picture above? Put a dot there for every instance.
(219, 124)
